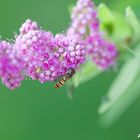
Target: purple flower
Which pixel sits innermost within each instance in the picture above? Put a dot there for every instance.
(42, 56)
(10, 66)
(35, 49)
(85, 25)
(103, 53)
(84, 19)
(70, 51)
(45, 56)
(28, 25)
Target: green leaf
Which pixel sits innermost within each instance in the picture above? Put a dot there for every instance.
(126, 54)
(123, 90)
(70, 90)
(113, 22)
(104, 13)
(132, 20)
(87, 72)
(123, 103)
(106, 18)
(122, 30)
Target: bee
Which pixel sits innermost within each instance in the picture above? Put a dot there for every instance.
(63, 79)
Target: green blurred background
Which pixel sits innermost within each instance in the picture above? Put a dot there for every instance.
(40, 112)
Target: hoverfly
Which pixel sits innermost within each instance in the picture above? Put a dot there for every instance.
(63, 79)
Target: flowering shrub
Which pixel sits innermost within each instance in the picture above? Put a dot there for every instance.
(42, 56)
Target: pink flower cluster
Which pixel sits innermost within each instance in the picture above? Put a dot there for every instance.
(103, 53)
(39, 55)
(84, 19)
(11, 65)
(46, 56)
(85, 24)
(42, 56)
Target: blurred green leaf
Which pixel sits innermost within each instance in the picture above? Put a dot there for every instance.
(113, 22)
(123, 90)
(122, 104)
(134, 23)
(132, 20)
(126, 54)
(104, 13)
(106, 17)
(70, 90)
(87, 72)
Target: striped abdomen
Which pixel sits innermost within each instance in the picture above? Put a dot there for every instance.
(61, 82)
